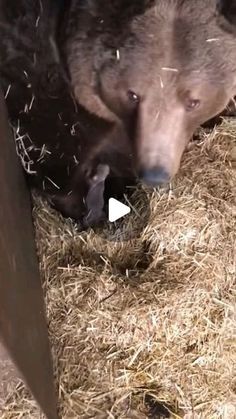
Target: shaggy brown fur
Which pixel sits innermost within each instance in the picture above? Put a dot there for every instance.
(60, 143)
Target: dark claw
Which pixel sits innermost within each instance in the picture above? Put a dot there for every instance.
(95, 197)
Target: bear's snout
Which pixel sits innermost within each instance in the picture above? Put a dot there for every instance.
(154, 176)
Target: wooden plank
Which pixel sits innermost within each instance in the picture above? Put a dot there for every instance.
(23, 327)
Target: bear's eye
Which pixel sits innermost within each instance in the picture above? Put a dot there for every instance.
(133, 97)
(192, 104)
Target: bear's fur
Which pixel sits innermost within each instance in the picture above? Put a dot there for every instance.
(59, 142)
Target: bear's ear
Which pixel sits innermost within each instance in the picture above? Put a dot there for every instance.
(226, 11)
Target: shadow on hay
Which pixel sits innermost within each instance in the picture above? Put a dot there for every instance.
(157, 409)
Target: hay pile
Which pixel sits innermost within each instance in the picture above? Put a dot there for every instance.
(148, 328)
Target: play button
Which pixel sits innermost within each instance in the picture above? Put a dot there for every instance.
(116, 210)
(132, 200)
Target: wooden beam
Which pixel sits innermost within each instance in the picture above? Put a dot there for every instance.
(23, 328)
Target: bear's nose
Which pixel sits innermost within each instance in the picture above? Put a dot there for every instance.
(155, 176)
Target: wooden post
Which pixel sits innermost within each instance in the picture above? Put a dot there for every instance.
(23, 328)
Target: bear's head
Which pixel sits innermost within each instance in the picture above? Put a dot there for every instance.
(159, 69)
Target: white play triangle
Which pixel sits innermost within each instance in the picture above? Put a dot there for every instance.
(116, 210)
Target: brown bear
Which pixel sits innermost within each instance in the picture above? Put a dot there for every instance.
(145, 74)
(159, 68)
